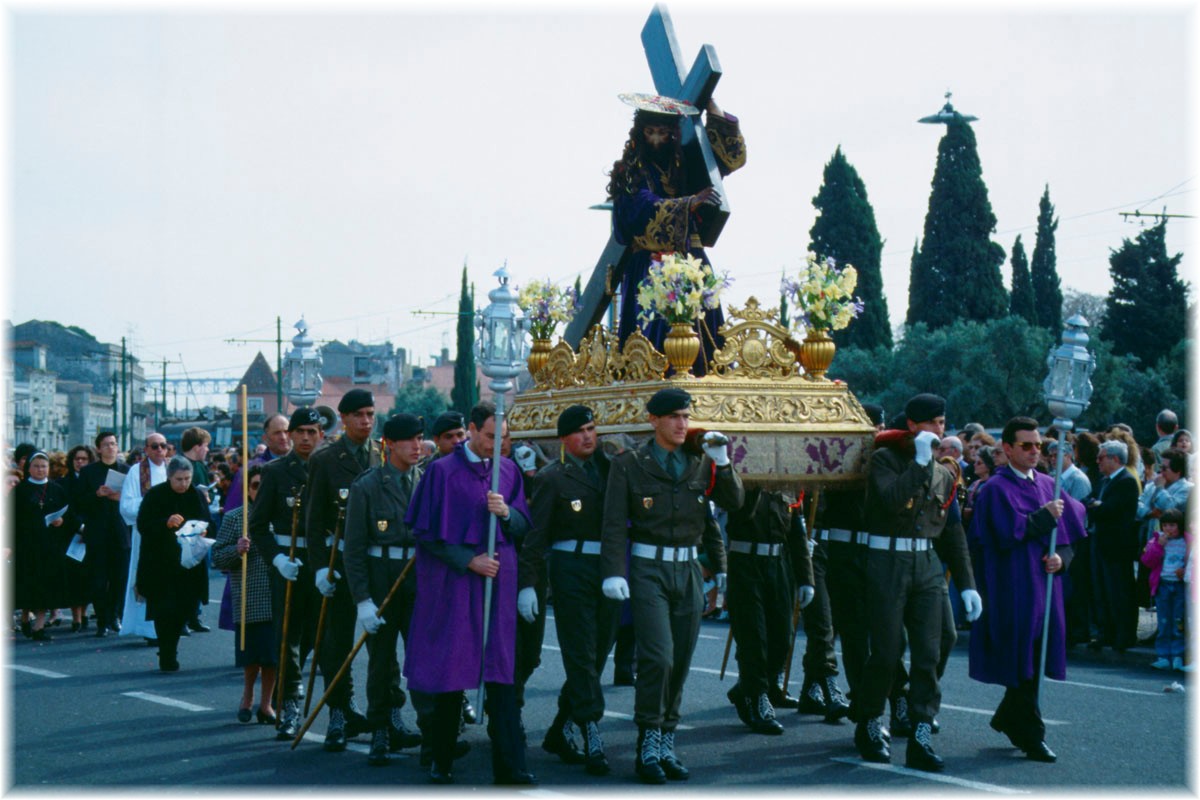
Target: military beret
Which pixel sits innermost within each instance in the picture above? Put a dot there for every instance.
(574, 418)
(306, 415)
(403, 426)
(665, 401)
(874, 412)
(925, 407)
(898, 422)
(448, 421)
(355, 399)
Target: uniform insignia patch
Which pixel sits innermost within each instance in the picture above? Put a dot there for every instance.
(576, 505)
(909, 504)
(382, 525)
(647, 502)
(700, 498)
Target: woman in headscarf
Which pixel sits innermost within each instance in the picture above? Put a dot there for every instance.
(37, 547)
(171, 591)
(77, 578)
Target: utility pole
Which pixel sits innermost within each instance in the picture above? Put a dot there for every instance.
(278, 340)
(1156, 217)
(124, 399)
(157, 414)
(114, 401)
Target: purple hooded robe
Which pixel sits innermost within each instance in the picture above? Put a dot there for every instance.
(449, 505)
(1007, 548)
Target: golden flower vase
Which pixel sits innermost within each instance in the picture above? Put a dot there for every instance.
(681, 347)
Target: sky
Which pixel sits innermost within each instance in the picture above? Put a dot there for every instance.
(182, 175)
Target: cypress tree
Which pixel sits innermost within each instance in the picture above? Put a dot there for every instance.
(1043, 270)
(1146, 311)
(783, 306)
(958, 260)
(923, 288)
(1021, 302)
(465, 394)
(845, 230)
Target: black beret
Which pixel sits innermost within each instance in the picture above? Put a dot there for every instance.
(355, 399)
(665, 401)
(574, 418)
(874, 412)
(403, 426)
(925, 407)
(306, 415)
(898, 422)
(448, 421)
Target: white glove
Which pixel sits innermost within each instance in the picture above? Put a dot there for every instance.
(368, 616)
(615, 588)
(525, 457)
(924, 443)
(716, 447)
(527, 603)
(806, 595)
(289, 568)
(325, 586)
(972, 604)
(722, 579)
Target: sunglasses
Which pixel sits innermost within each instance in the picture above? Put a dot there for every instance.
(157, 446)
(1026, 446)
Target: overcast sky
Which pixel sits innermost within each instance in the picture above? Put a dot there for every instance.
(182, 177)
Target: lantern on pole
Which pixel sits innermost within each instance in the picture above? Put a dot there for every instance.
(302, 368)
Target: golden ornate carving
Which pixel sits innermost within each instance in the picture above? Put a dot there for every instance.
(754, 347)
(667, 230)
(641, 362)
(559, 371)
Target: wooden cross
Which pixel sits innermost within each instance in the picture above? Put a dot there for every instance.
(700, 165)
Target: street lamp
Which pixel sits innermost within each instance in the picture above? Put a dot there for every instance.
(1067, 388)
(502, 351)
(302, 369)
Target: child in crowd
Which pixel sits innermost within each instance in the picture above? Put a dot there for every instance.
(1167, 557)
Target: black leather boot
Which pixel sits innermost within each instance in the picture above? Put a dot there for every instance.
(647, 765)
(671, 765)
(560, 740)
(872, 746)
(920, 750)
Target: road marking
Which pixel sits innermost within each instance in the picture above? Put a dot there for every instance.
(985, 712)
(728, 673)
(354, 747)
(544, 793)
(619, 715)
(165, 701)
(45, 673)
(552, 647)
(1107, 688)
(714, 638)
(932, 776)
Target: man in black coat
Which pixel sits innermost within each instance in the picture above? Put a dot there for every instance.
(105, 534)
(1112, 523)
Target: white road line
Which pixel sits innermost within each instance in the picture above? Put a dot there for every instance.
(1107, 688)
(165, 701)
(933, 776)
(552, 647)
(354, 747)
(714, 638)
(728, 673)
(985, 712)
(45, 673)
(544, 793)
(620, 715)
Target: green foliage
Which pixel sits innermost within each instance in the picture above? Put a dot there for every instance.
(956, 274)
(422, 400)
(465, 394)
(1021, 301)
(1047, 289)
(845, 230)
(783, 306)
(1124, 392)
(1091, 307)
(1146, 310)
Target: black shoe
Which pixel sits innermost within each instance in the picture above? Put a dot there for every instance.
(100, 633)
(289, 721)
(440, 777)
(762, 716)
(378, 757)
(521, 777)
(900, 724)
(40, 635)
(83, 625)
(646, 763)
(812, 699)
(461, 748)
(595, 762)
(560, 741)
(935, 726)
(780, 698)
(399, 736)
(151, 642)
(836, 704)
(168, 665)
(264, 718)
(920, 753)
(739, 703)
(115, 626)
(27, 629)
(868, 738)
(468, 711)
(184, 632)
(335, 732)
(74, 627)
(1096, 644)
(1040, 752)
(198, 626)
(623, 677)
(244, 715)
(671, 765)
(356, 723)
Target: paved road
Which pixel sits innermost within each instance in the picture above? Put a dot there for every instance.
(96, 713)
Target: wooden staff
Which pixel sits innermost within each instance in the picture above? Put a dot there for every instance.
(294, 502)
(812, 521)
(245, 514)
(333, 543)
(728, 644)
(350, 658)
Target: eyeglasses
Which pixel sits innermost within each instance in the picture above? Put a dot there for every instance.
(158, 446)
(1026, 446)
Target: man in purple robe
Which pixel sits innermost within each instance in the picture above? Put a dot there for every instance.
(1015, 513)
(448, 516)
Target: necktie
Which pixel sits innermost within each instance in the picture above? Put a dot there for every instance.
(674, 465)
(593, 474)
(363, 458)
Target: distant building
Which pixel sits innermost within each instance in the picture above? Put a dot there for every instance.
(261, 400)
(358, 364)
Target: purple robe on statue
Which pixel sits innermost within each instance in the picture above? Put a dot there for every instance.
(1011, 578)
(449, 505)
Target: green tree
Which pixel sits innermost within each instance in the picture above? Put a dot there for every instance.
(1146, 310)
(957, 273)
(465, 394)
(1043, 270)
(845, 230)
(422, 400)
(1021, 301)
(783, 306)
(1091, 307)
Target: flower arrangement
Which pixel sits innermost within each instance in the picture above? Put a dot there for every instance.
(823, 294)
(678, 288)
(546, 305)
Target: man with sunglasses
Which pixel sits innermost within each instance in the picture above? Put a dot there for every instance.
(271, 533)
(149, 473)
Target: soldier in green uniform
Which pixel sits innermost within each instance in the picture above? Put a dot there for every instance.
(378, 545)
(657, 496)
(768, 556)
(332, 468)
(271, 532)
(567, 509)
(908, 502)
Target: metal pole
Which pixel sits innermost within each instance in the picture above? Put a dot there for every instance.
(1063, 425)
(124, 399)
(278, 366)
(487, 582)
(244, 471)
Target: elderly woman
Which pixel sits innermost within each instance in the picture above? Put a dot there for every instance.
(171, 591)
(77, 577)
(37, 547)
